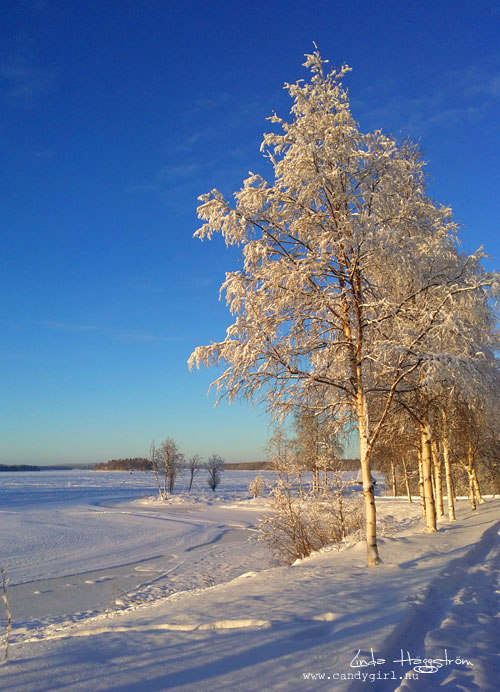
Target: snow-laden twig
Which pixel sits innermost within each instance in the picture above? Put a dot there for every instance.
(5, 581)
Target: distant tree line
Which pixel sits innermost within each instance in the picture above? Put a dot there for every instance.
(192, 466)
(347, 465)
(19, 467)
(142, 464)
(134, 464)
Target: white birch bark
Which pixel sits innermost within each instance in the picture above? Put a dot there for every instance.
(429, 504)
(368, 494)
(450, 494)
(470, 475)
(421, 482)
(477, 490)
(438, 485)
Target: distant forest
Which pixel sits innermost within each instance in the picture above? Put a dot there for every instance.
(20, 467)
(135, 464)
(141, 464)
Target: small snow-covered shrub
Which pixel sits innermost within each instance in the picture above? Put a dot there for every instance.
(305, 523)
(256, 487)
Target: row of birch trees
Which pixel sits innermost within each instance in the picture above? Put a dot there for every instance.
(353, 298)
(459, 449)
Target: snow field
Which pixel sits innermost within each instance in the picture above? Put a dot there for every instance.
(216, 613)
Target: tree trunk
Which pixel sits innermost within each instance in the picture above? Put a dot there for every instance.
(454, 484)
(477, 489)
(433, 483)
(325, 472)
(407, 482)
(368, 494)
(393, 474)
(437, 480)
(421, 483)
(340, 501)
(430, 508)
(315, 479)
(471, 492)
(470, 475)
(155, 471)
(450, 492)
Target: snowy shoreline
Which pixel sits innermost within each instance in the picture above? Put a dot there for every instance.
(212, 611)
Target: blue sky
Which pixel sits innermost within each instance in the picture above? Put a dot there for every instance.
(114, 116)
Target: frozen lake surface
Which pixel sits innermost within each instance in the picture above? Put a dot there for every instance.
(29, 489)
(73, 540)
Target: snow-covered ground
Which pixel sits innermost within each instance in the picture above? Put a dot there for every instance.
(111, 590)
(80, 542)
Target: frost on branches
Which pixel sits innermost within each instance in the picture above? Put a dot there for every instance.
(350, 272)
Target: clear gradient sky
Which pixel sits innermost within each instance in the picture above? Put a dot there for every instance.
(115, 115)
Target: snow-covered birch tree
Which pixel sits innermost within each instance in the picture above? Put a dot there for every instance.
(457, 365)
(325, 303)
(170, 461)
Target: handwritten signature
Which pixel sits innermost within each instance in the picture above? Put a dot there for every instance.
(420, 665)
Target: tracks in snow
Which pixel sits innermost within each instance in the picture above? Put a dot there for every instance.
(457, 622)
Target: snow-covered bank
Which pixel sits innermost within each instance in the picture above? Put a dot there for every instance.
(295, 628)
